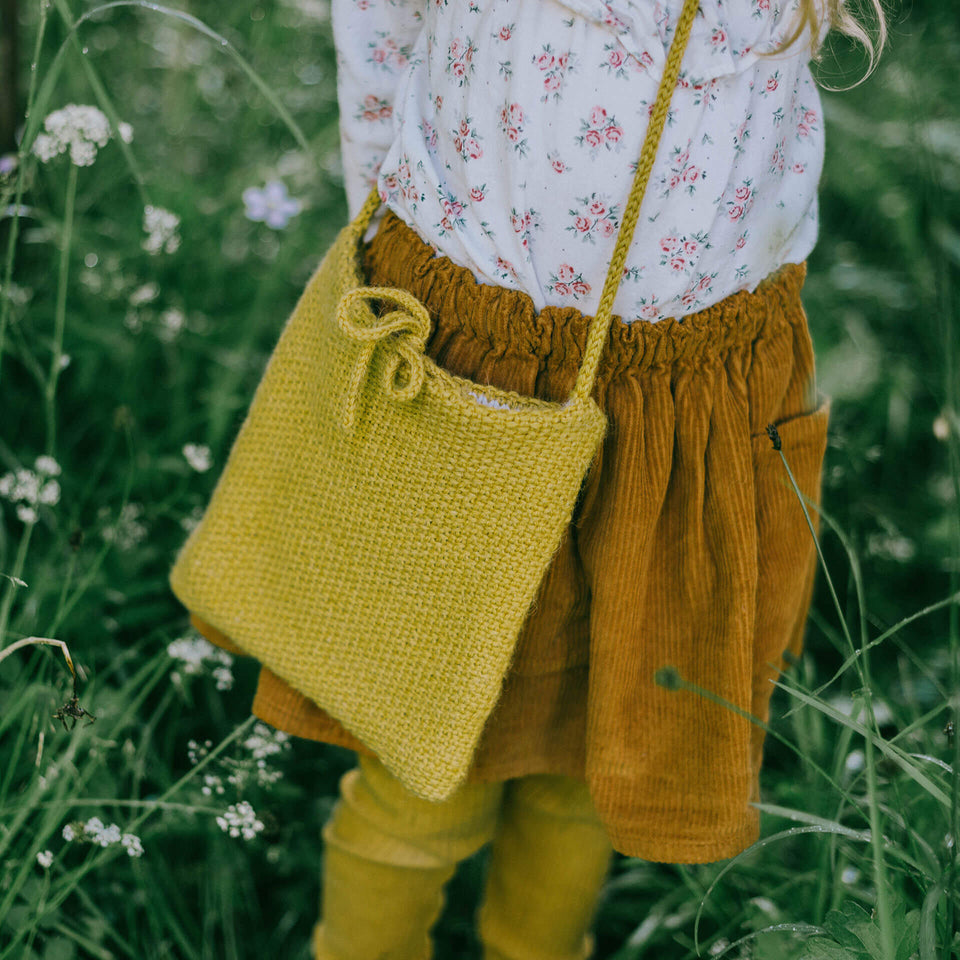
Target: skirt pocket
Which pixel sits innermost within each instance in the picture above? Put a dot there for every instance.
(786, 552)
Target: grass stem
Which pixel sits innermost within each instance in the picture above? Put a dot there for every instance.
(60, 317)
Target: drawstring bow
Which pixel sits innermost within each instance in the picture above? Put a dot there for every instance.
(404, 330)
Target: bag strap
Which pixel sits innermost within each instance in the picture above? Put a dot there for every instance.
(600, 325)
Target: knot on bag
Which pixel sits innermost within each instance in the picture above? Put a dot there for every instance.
(404, 331)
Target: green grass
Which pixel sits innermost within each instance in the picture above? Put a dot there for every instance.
(860, 783)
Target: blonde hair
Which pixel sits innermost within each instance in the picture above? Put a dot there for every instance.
(813, 13)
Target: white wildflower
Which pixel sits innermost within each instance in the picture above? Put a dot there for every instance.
(171, 323)
(198, 456)
(941, 428)
(195, 651)
(192, 651)
(891, 547)
(161, 228)
(22, 485)
(65, 359)
(18, 295)
(83, 153)
(46, 148)
(47, 466)
(850, 875)
(28, 489)
(882, 712)
(144, 294)
(223, 675)
(128, 530)
(266, 742)
(45, 858)
(104, 835)
(93, 826)
(719, 946)
(765, 904)
(26, 514)
(240, 820)
(50, 493)
(855, 760)
(266, 777)
(196, 752)
(125, 131)
(192, 519)
(91, 280)
(211, 784)
(132, 844)
(81, 129)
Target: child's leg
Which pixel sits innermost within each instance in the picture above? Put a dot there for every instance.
(548, 863)
(387, 857)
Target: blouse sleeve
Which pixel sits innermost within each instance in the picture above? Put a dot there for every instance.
(374, 40)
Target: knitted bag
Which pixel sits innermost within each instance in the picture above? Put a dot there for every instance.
(381, 528)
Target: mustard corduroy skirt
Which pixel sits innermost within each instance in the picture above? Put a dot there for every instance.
(688, 549)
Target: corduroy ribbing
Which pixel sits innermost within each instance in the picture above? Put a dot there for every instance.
(556, 336)
(688, 549)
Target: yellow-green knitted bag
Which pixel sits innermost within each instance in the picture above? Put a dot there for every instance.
(379, 533)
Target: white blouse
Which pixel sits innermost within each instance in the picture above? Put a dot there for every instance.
(506, 134)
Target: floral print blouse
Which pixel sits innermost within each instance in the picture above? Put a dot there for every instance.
(506, 134)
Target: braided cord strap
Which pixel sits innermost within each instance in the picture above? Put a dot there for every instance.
(358, 226)
(600, 326)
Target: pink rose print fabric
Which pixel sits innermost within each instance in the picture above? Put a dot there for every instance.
(506, 133)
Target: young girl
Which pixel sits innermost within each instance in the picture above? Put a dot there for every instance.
(502, 136)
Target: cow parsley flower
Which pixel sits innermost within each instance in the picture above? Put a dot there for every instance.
(192, 519)
(240, 820)
(160, 226)
(144, 294)
(47, 466)
(192, 651)
(79, 128)
(128, 530)
(29, 488)
(271, 204)
(172, 322)
(196, 751)
(223, 675)
(198, 456)
(45, 858)
(103, 835)
(195, 651)
(265, 742)
(132, 844)
(212, 784)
